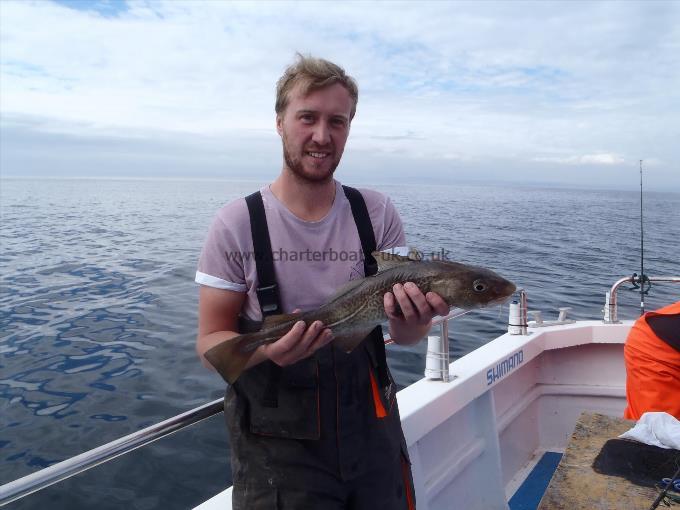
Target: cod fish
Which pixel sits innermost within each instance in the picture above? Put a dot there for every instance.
(355, 309)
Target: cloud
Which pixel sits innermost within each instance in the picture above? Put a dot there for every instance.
(586, 159)
(485, 84)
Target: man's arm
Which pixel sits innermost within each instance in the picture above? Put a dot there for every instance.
(218, 311)
(218, 321)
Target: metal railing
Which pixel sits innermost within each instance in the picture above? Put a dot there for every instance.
(611, 301)
(438, 358)
(91, 458)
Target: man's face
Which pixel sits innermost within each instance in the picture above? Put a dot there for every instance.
(314, 129)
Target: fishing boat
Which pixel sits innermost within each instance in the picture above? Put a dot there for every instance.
(497, 419)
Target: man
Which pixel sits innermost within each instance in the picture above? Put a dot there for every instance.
(310, 426)
(652, 356)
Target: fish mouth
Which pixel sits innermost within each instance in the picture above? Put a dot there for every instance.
(503, 296)
(499, 300)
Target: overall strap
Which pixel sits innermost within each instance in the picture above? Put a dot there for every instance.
(368, 245)
(364, 227)
(267, 289)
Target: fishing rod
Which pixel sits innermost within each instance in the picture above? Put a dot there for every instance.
(642, 252)
(668, 487)
(643, 278)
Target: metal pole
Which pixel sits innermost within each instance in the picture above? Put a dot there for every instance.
(642, 253)
(70, 467)
(613, 307)
(445, 351)
(523, 311)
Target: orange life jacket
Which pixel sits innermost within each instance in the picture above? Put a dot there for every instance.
(652, 369)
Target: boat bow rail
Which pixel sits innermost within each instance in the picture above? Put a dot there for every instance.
(611, 302)
(89, 459)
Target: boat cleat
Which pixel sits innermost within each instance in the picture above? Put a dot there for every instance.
(538, 321)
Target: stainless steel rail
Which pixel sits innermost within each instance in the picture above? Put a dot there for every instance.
(438, 320)
(91, 458)
(611, 301)
(70, 467)
(438, 358)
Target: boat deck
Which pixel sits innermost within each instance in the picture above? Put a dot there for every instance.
(600, 471)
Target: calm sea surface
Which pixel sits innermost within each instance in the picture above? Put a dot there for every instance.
(98, 310)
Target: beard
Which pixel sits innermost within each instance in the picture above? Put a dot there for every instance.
(315, 176)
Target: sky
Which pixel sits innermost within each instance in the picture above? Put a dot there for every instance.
(545, 93)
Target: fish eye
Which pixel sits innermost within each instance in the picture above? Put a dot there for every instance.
(479, 286)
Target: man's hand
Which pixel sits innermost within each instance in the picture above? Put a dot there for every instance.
(299, 343)
(417, 310)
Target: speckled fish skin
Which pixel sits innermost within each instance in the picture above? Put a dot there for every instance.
(358, 308)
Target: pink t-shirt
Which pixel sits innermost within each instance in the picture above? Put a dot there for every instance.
(312, 259)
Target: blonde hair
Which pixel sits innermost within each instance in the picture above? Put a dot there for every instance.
(313, 74)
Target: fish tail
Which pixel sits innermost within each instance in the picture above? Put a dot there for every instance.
(230, 358)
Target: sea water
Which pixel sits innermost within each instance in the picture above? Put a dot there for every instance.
(98, 310)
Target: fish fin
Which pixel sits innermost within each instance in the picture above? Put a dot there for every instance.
(276, 320)
(349, 341)
(229, 357)
(387, 260)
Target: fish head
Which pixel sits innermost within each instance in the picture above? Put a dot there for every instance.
(464, 286)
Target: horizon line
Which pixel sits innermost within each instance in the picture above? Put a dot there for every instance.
(467, 182)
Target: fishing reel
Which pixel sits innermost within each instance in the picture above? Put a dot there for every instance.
(641, 283)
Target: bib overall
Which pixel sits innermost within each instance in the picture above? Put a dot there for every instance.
(323, 433)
